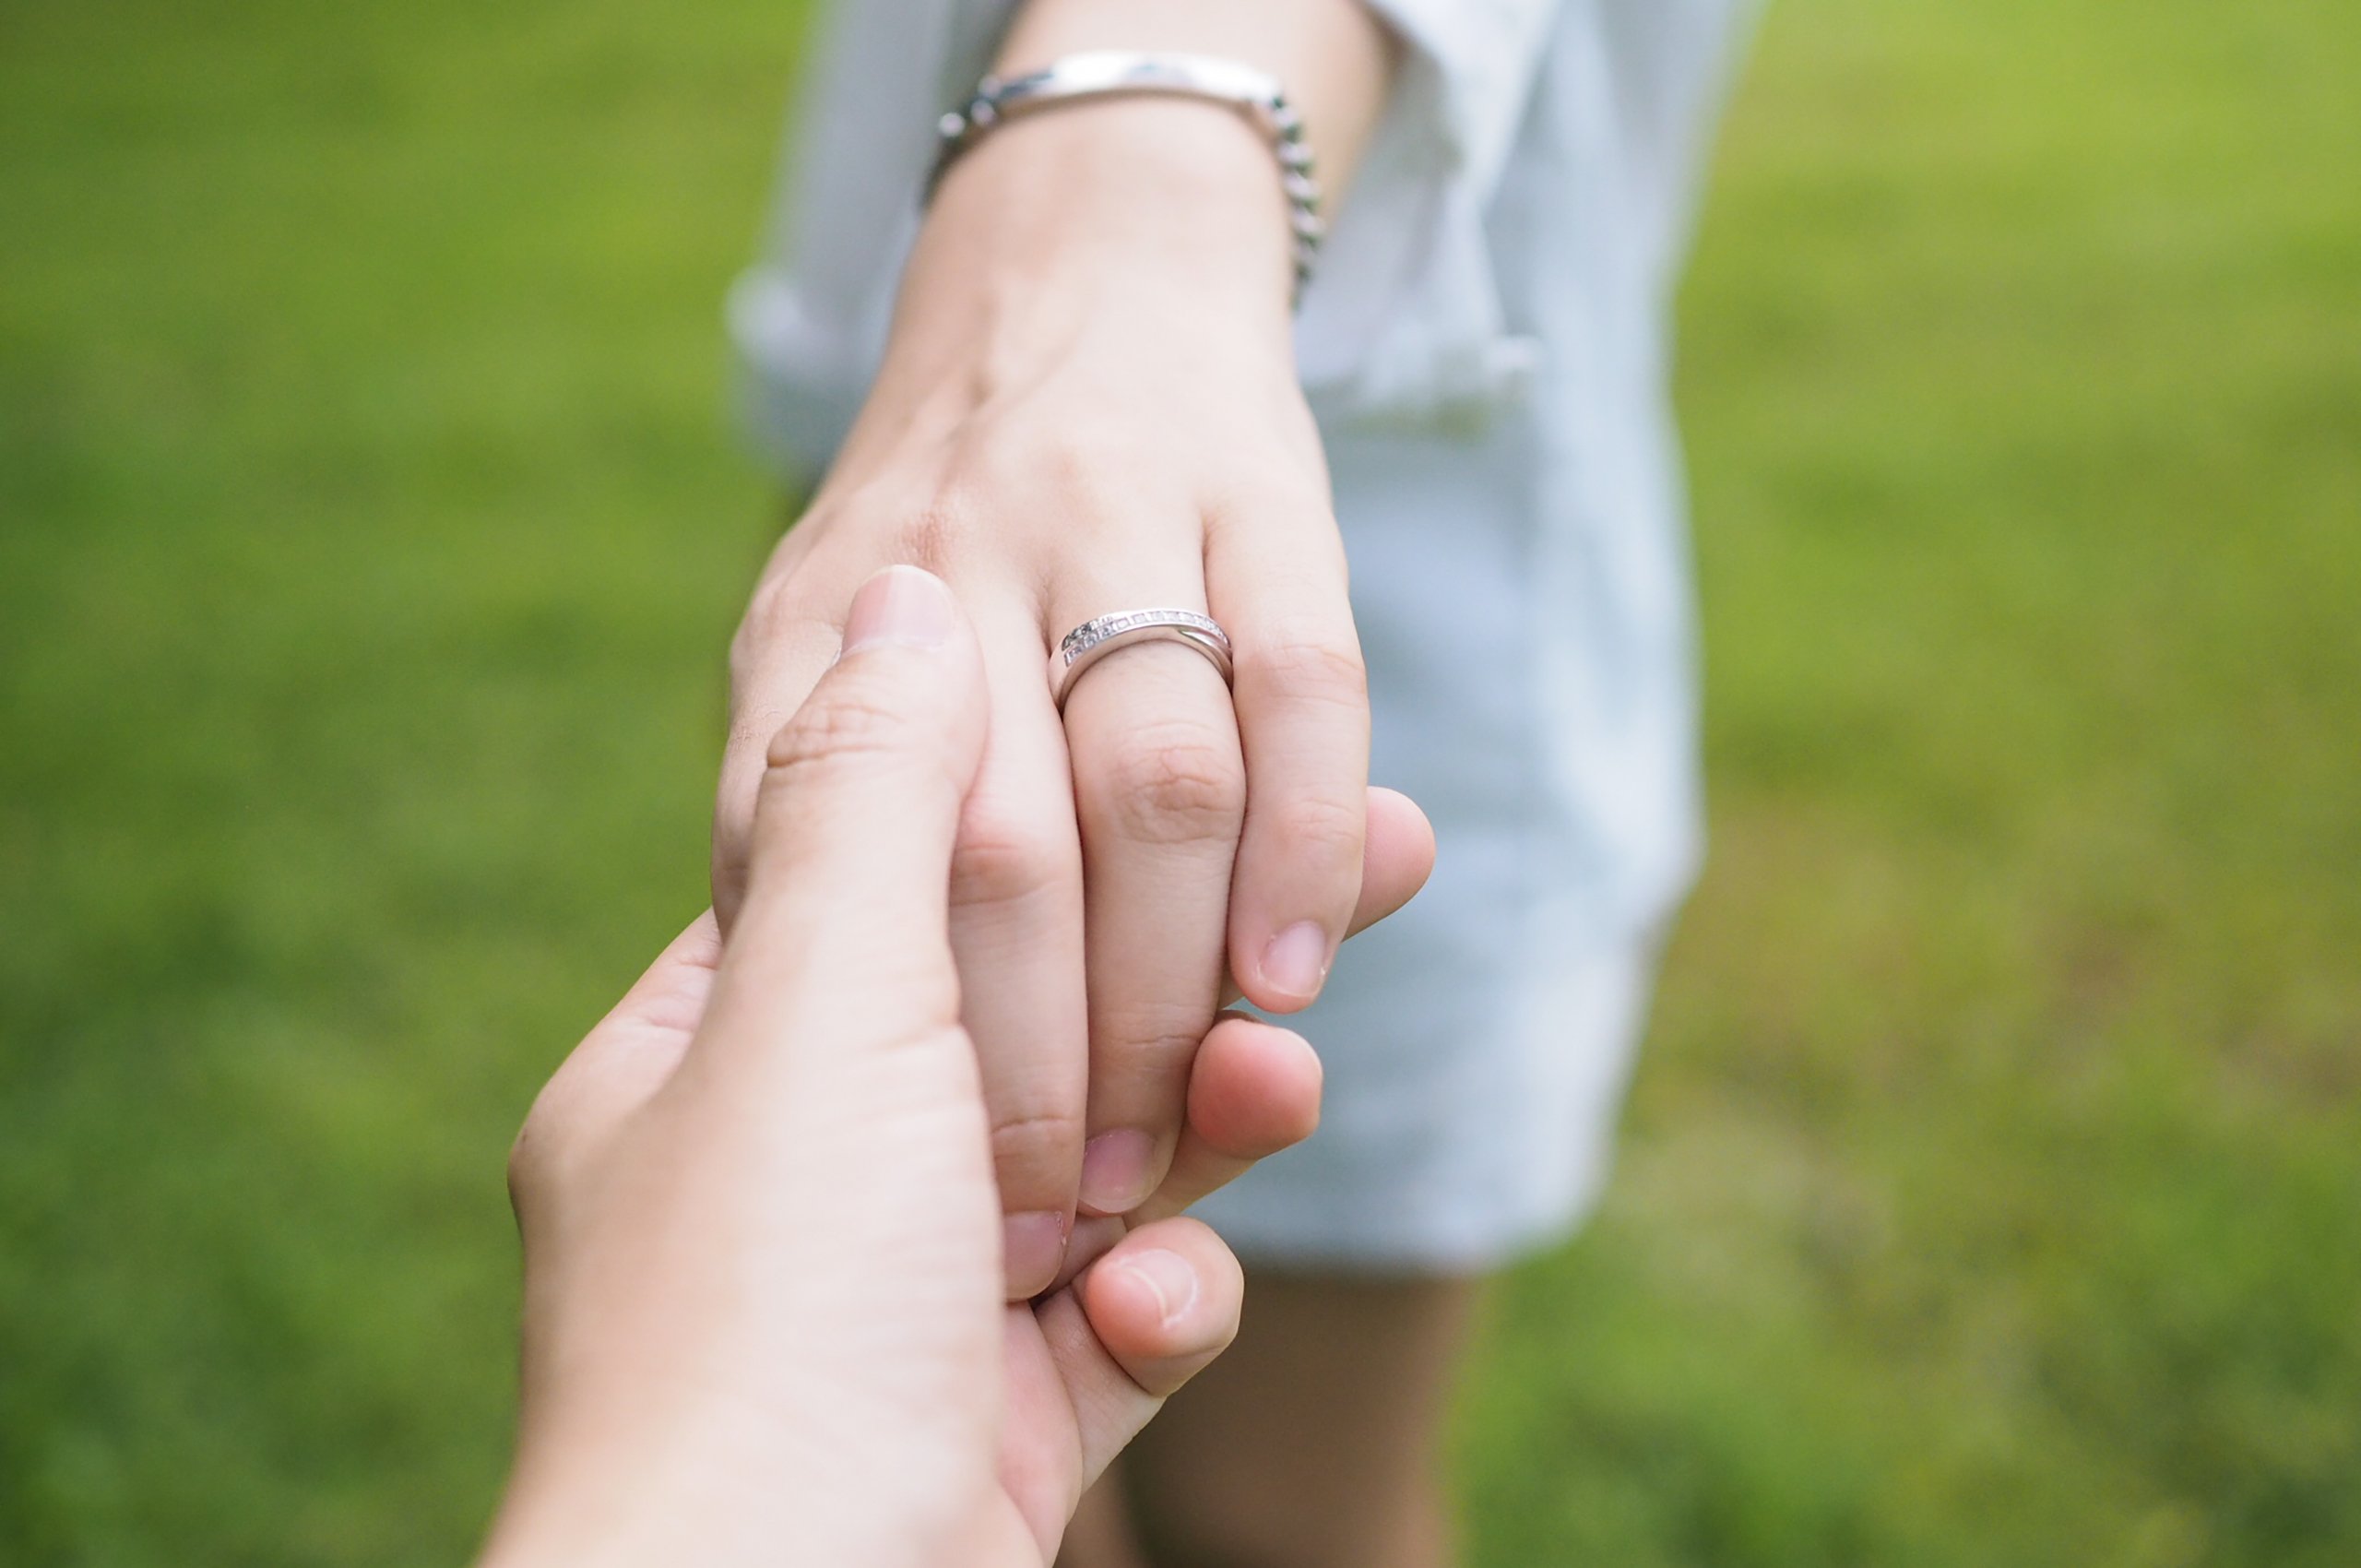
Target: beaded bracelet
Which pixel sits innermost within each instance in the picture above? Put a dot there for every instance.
(1113, 73)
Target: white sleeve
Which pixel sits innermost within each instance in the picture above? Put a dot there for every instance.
(809, 318)
(1468, 68)
(1404, 318)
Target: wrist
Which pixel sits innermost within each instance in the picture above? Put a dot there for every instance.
(1091, 262)
(1104, 210)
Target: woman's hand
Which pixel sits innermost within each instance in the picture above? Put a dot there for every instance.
(1089, 406)
(762, 1295)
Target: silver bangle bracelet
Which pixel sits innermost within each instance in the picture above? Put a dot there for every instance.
(1120, 73)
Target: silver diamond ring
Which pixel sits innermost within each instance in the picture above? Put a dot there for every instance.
(1094, 640)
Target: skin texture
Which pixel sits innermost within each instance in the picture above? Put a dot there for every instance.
(1088, 403)
(763, 1308)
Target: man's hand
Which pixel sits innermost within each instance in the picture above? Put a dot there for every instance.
(763, 1297)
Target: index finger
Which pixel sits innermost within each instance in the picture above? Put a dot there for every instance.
(846, 903)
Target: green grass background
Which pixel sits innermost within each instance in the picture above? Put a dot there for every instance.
(370, 528)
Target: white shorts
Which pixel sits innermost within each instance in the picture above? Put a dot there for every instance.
(1439, 1151)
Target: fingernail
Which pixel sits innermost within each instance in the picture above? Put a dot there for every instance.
(900, 607)
(1169, 1277)
(1033, 1246)
(1115, 1173)
(1296, 961)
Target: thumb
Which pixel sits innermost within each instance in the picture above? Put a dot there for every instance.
(1142, 1321)
(848, 865)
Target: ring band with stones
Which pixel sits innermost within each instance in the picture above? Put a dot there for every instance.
(1094, 640)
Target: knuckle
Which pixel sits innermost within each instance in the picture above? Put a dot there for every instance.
(935, 1032)
(752, 726)
(1035, 1142)
(1322, 830)
(1175, 784)
(777, 613)
(1004, 856)
(1150, 1040)
(1278, 482)
(1020, 451)
(849, 721)
(1313, 669)
(931, 537)
(798, 605)
(529, 1156)
(853, 731)
(1086, 476)
(524, 1161)
(1098, 479)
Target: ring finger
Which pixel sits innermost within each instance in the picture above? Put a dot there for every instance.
(1159, 788)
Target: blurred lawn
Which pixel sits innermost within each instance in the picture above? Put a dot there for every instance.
(370, 530)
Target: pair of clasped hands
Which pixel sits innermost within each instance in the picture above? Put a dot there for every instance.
(787, 1297)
